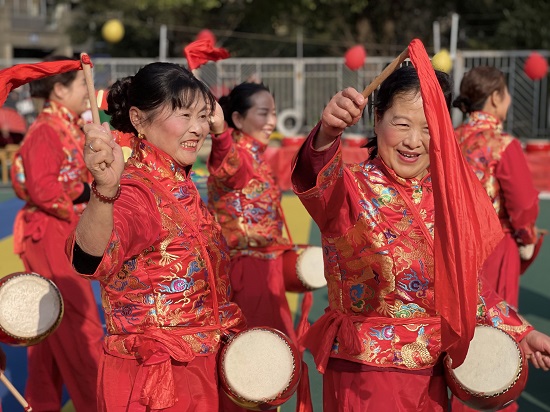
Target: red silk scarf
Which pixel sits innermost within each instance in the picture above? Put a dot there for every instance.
(202, 51)
(20, 74)
(466, 225)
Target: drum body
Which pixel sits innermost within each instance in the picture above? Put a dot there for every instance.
(31, 308)
(494, 373)
(303, 268)
(259, 368)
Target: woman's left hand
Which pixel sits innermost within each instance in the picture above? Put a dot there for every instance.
(536, 347)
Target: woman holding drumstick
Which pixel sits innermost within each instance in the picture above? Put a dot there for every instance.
(158, 253)
(395, 303)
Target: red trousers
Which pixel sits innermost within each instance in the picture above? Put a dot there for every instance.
(259, 290)
(383, 391)
(70, 355)
(196, 385)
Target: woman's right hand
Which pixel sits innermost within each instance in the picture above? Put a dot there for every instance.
(344, 110)
(103, 157)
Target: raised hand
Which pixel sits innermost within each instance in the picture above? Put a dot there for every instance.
(103, 157)
(217, 121)
(344, 110)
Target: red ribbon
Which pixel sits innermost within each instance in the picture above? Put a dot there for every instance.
(155, 379)
(320, 337)
(202, 51)
(21, 74)
(467, 228)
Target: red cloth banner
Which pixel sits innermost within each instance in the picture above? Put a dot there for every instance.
(20, 74)
(202, 51)
(466, 225)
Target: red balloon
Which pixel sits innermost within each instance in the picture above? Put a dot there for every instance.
(536, 66)
(206, 35)
(355, 57)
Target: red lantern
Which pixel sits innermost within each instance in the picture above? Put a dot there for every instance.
(355, 57)
(206, 35)
(536, 66)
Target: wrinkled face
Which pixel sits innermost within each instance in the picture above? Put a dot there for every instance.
(179, 133)
(75, 96)
(260, 120)
(403, 137)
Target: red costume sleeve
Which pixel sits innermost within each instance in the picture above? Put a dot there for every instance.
(43, 156)
(309, 162)
(492, 310)
(137, 224)
(520, 196)
(330, 202)
(235, 167)
(221, 145)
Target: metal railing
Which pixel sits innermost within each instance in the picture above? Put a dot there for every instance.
(302, 87)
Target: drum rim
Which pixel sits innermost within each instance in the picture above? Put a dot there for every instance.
(275, 332)
(496, 394)
(35, 339)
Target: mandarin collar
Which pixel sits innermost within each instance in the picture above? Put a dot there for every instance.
(248, 142)
(479, 118)
(53, 107)
(414, 183)
(158, 160)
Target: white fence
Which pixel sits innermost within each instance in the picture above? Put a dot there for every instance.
(302, 87)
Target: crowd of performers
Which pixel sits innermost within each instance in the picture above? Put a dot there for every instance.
(179, 277)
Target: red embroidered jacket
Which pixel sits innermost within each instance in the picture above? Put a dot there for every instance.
(244, 196)
(379, 266)
(164, 272)
(499, 163)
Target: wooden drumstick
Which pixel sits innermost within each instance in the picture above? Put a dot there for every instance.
(15, 393)
(87, 69)
(390, 68)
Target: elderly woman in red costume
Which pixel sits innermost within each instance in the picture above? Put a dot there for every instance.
(49, 173)
(379, 344)
(498, 161)
(158, 253)
(244, 197)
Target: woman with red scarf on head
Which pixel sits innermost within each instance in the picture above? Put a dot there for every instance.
(244, 197)
(157, 252)
(498, 161)
(49, 173)
(380, 342)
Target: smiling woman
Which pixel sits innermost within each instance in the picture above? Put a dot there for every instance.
(244, 196)
(148, 238)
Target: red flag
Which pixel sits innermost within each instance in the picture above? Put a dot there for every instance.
(20, 74)
(466, 225)
(202, 51)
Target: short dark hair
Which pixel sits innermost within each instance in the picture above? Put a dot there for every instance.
(42, 88)
(239, 100)
(152, 87)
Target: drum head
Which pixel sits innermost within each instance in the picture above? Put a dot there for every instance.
(492, 364)
(310, 267)
(30, 306)
(258, 365)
